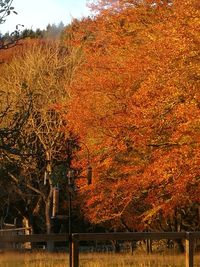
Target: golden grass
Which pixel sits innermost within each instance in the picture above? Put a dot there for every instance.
(42, 259)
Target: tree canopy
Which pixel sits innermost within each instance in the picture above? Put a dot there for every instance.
(140, 116)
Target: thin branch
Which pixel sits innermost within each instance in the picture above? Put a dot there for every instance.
(27, 185)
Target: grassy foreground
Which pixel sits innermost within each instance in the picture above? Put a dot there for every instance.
(93, 260)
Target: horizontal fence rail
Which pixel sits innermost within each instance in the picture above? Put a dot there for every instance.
(34, 238)
(129, 236)
(75, 238)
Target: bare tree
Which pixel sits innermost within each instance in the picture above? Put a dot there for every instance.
(40, 80)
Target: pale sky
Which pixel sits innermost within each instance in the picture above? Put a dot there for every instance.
(38, 13)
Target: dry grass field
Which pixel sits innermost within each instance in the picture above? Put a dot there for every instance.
(41, 259)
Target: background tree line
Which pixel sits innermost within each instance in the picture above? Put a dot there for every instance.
(52, 31)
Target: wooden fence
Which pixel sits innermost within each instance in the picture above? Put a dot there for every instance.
(189, 238)
(11, 230)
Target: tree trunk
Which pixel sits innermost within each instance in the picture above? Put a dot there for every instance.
(48, 212)
(50, 244)
(27, 231)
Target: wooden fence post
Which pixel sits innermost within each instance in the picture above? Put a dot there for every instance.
(189, 247)
(75, 250)
(149, 246)
(50, 246)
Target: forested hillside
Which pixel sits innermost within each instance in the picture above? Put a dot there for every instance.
(118, 91)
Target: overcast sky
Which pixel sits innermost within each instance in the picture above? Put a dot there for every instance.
(38, 13)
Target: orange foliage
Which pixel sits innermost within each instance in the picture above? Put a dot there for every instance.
(6, 55)
(136, 103)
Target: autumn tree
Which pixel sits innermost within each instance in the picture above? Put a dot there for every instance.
(140, 114)
(45, 72)
(9, 133)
